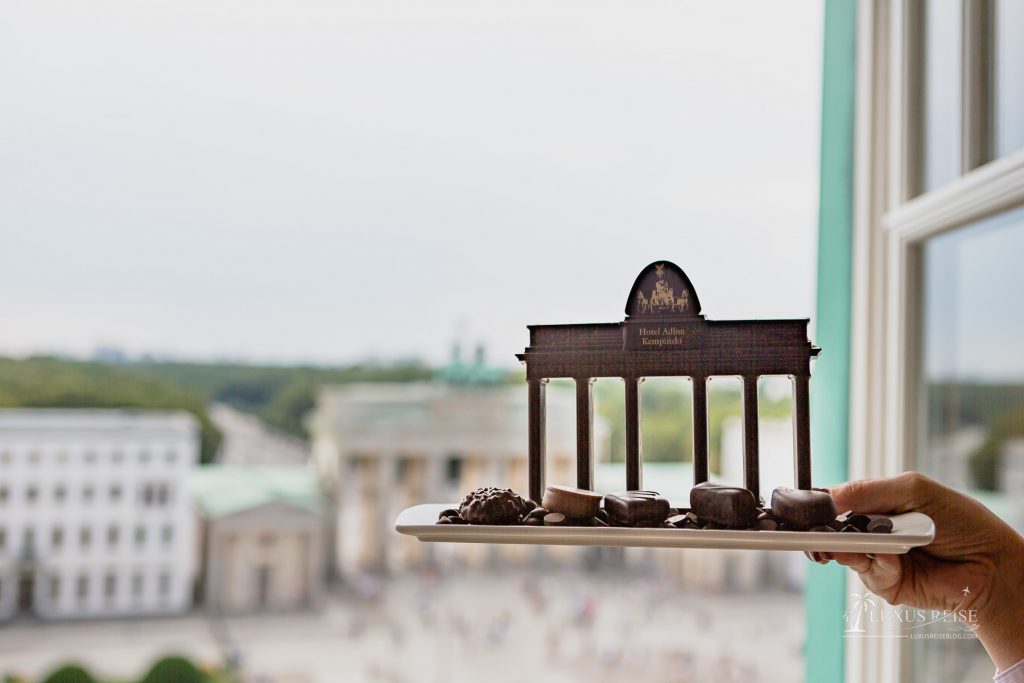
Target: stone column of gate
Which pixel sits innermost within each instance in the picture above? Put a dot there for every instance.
(634, 451)
(585, 432)
(536, 417)
(700, 429)
(751, 463)
(802, 430)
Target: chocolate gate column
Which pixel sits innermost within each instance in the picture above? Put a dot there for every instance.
(751, 466)
(700, 429)
(802, 430)
(634, 455)
(584, 433)
(536, 417)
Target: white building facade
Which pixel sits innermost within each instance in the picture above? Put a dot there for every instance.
(262, 531)
(95, 516)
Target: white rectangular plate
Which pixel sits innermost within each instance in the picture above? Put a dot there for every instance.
(909, 530)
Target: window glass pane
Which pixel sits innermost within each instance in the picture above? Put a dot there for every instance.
(775, 432)
(940, 120)
(610, 434)
(973, 431)
(1009, 86)
(667, 426)
(725, 430)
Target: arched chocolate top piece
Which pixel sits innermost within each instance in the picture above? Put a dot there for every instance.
(662, 290)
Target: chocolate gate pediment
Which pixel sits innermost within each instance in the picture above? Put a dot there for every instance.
(662, 290)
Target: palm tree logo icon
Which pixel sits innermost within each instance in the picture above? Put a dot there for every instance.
(859, 604)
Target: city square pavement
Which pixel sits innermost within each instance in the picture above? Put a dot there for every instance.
(476, 626)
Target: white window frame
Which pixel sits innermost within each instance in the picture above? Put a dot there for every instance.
(889, 231)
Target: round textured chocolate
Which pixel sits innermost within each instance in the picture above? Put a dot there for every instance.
(490, 505)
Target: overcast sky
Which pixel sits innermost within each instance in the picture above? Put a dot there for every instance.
(327, 181)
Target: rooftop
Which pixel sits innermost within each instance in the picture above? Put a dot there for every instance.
(438, 419)
(94, 419)
(222, 490)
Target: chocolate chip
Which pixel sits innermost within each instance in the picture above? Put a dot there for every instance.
(448, 513)
(676, 520)
(534, 521)
(769, 517)
(536, 513)
(767, 524)
(600, 522)
(851, 529)
(859, 521)
(445, 520)
(456, 519)
(554, 519)
(822, 527)
(880, 525)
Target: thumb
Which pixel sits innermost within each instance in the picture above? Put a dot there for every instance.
(902, 493)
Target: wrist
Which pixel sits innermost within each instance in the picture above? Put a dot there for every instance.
(999, 616)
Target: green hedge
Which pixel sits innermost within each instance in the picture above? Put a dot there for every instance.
(174, 669)
(70, 673)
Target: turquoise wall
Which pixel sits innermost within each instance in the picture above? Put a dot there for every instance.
(830, 386)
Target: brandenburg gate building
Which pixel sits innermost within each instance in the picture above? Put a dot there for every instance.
(665, 334)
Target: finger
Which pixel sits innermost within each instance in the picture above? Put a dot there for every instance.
(855, 561)
(889, 566)
(902, 493)
(882, 575)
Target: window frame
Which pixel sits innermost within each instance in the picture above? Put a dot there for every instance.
(891, 226)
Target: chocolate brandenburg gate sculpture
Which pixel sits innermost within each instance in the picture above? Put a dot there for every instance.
(665, 334)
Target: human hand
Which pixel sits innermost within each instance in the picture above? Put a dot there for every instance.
(973, 548)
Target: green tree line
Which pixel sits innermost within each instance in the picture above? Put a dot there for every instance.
(44, 382)
(281, 395)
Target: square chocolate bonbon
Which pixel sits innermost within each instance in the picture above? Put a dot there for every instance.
(729, 506)
(636, 508)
